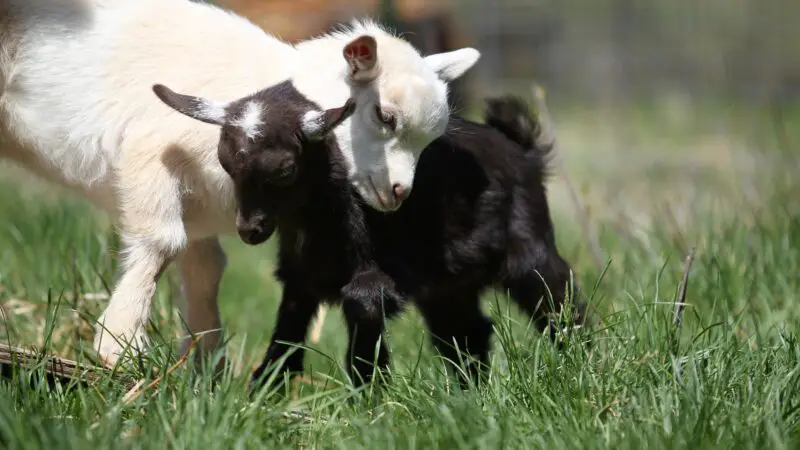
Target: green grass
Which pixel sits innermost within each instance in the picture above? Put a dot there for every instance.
(729, 378)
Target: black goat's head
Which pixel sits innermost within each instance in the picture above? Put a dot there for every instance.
(261, 138)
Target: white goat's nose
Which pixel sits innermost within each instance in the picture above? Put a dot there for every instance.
(400, 192)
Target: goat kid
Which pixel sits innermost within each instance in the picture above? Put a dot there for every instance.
(323, 244)
(478, 217)
(76, 108)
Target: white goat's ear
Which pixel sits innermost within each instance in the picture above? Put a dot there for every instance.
(199, 108)
(318, 124)
(361, 55)
(451, 65)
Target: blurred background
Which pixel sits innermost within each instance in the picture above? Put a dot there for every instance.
(597, 51)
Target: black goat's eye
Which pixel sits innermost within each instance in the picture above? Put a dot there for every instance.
(386, 117)
(286, 170)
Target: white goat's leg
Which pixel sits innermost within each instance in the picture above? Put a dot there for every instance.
(153, 233)
(201, 266)
(123, 322)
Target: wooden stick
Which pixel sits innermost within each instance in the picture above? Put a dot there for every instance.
(548, 127)
(319, 321)
(58, 369)
(681, 298)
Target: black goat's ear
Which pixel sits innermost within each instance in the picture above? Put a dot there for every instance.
(199, 108)
(318, 124)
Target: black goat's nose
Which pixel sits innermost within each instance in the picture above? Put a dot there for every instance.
(400, 192)
(251, 237)
(250, 232)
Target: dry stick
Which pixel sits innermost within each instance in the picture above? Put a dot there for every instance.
(60, 369)
(681, 298)
(319, 321)
(673, 222)
(548, 127)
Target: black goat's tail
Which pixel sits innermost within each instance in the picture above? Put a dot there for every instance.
(511, 116)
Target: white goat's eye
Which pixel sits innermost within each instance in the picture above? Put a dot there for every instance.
(386, 118)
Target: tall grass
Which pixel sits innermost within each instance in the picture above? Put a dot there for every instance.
(728, 378)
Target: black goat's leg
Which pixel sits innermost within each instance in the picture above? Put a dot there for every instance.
(295, 314)
(367, 301)
(541, 292)
(460, 331)
(364, 331)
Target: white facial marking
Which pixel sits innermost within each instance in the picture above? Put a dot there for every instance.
(212, 110)
(250, 119)
(312, 124)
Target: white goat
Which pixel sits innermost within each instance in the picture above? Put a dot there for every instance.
(76, 107)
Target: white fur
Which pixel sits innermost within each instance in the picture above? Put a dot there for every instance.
(311, 124)
(250, 121)
(213, 111)
(76, 107)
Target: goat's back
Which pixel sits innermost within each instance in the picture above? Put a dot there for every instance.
(454, 225)
(77, 78)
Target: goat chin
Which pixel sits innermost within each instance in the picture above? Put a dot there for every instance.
(76, 107)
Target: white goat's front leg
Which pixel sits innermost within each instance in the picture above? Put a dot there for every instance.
(153, 233)
(123, 322)
(202, 265)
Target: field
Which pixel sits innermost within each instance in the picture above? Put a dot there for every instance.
(654, 183)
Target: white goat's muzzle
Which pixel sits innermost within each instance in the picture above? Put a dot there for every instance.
(384, 196)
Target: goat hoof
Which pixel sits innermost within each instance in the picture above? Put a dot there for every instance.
(111, 346)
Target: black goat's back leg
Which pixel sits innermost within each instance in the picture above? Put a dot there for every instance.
(541, 292)
(460, 331)
(296, 311)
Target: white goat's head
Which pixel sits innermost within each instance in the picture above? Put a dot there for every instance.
(401, 107)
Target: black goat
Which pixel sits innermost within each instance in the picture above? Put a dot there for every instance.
(477, 217)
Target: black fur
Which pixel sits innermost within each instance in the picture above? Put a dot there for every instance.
(477, 217)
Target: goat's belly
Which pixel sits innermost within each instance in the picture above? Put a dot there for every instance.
(50, 135)
(99, 191)
(101, 196)
(209, 223)
(318, 279)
